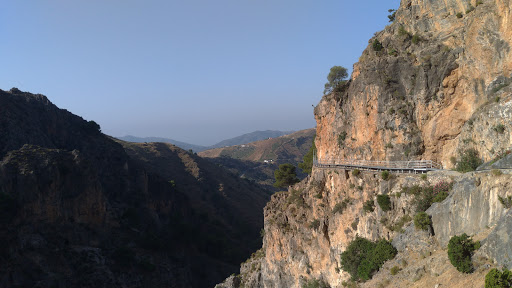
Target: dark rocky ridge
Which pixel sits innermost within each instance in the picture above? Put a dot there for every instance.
(78, 211)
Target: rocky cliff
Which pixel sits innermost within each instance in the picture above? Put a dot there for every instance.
(431, 85)
(78, 209)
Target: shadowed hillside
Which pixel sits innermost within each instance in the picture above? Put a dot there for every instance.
(80, 210)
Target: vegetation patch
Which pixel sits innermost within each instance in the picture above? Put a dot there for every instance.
(315, 283)
(368, 206)
(285, 175)
(498, 279)
(385, 175)
(363, 257)
(468, 161)
(507, 202)
(441, 190)
(340, 207)
(296, 198)
(356, 172)
(500, 128)
(307, 161)
(384, 202)
(397, 227)
(499, 87)
(376, 45)
(416, 39)
(341, 138)
(470, 9)
(314, 224)
(394, 270)
(424, 196)
(460, 250)
(459, 15)
(403, 32)
(496, 172)
(422, 221)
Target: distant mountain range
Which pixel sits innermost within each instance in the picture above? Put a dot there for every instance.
(239, 140)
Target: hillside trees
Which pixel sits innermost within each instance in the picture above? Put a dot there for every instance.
(285, 175)
(336, 79)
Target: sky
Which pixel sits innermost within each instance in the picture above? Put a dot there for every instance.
(197, 71)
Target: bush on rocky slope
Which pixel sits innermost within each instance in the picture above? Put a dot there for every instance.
(364, 257)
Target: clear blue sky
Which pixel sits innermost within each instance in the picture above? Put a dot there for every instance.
(198, 71)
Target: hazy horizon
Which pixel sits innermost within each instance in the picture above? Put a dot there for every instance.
(194, 71)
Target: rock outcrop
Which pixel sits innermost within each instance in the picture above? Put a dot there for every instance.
(431, 85)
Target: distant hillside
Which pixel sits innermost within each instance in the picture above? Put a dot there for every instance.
(242, 139)
(182, 145)
(258, 160)
(249, 137)
(291, 148)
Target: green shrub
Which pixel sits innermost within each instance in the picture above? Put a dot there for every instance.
(470, 9)
(400, 223)
(497, 279)
(459, 15)
(391, 16)
(368, 206)
(424, 198)
(295, 197)
(354, 224)
(384, 202)
(500, 128)
(341, 138)
(496, 172)
(307, 161)
(497, 99)
(415, 39)
(339, 207)
(314, 224)
(424, 177)
(315, 283)
(479, 2)
(422, 221)
(460, 250)
(384, 175)
(363, 257)
(285, 175)
(507, 202)
(377, 46)
(402, 31)
(394, 270)
(440, 197)
(356, 172)
(469, 161)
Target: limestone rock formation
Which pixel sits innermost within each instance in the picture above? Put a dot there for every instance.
(438, 86)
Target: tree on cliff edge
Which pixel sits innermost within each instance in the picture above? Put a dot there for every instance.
(307, 164)
(336, 78)
(285, 175)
